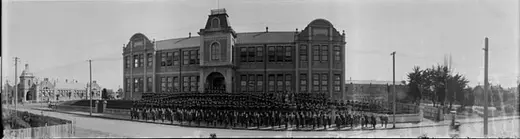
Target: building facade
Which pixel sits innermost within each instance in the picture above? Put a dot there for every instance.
(311, 60)
(30, 89)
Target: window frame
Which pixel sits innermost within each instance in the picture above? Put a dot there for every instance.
(324, 49)
(288, 53)
(259, 54)
(280, 54)
(243, 54)
(185, 57)
(316, 53)
(259, 83)
(271, 53)
(215, 51)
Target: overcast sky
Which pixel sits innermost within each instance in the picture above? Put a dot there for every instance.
(56, 38)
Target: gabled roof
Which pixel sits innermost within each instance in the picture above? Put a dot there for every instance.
(75, 86)
(178, 43)
(265, 37)
(242, 38)
(373, 82)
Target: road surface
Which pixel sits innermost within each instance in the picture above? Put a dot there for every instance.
(97, 127)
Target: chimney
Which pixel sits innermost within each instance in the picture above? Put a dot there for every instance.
(296, 30)
(266, 29)
(66, 81)
(27, 67)
(189, 35)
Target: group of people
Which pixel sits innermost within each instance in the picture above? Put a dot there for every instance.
(283, 109)
(259, 119)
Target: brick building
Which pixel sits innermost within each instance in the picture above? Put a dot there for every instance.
(311, 60)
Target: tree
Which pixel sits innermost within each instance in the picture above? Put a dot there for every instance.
(104, 94)
(414, 81)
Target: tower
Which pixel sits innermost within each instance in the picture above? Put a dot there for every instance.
(26, 85)
(216, 48)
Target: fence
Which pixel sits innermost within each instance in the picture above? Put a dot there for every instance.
(56, 131)
(433, 113)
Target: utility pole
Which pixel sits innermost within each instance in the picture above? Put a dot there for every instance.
(90, 85)
(15, 81)
(393, 88)
(486, 85)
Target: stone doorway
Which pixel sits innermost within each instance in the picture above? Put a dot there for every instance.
(215, 82)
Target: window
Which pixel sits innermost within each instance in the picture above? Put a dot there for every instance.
(197, 59)
(243, 83)
(176, 58)
(288, 53)
(176, 84)
(303, 82)
(194, 83)
(149, 84)
(127, 62)
(271, 54)
(163, 59)
(251, 52)
(169, 85)
(259, 54)
(288, 79)
(259, 83)
(141, 60)
(279, 53)
(186, 83)
(136, 61)
(251, 86)
(243, 54)
(337, 82)
(128, 85)
(324, 53)
(150, 60)
(337, 53)
(324, 82)
(324, 79)
(136, 84)
(271, 82)
(279, 82)
(215, 23)
(186, 57)
(215, 51)
(169, 59)
(163, 84)
(316, 53)
(316, 82)
(193, 56)
(303, 53)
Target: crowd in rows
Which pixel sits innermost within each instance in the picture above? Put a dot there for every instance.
(298, 110)
(260, 119)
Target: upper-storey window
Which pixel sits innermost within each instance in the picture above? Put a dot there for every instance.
(176, 58)
(251, 54)
(288, 53)
(303, 53)
(186, 57)
(324, 53)
(128, 62)
(197, 59)
(169, 59)
(163, 59)
(136, 61)
(193, 56)
(279, 53)
(337, 53)
(149, 59)
(271, 54)
(316, 53)
(215, 23)
(243, 54)
(215, 51)
(259, 54)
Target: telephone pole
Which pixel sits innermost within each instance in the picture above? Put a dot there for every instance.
(393, 88)
(15, 81)
(486, 85)
(90, 85)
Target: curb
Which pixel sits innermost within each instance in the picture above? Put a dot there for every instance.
(279, 130)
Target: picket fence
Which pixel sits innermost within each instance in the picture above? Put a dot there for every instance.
(56, 131)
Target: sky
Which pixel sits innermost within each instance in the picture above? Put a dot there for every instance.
(56, 38)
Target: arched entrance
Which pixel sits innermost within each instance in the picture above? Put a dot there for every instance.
(28, 96)
(215, 82)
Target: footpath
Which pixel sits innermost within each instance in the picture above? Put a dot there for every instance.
(424, 123)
